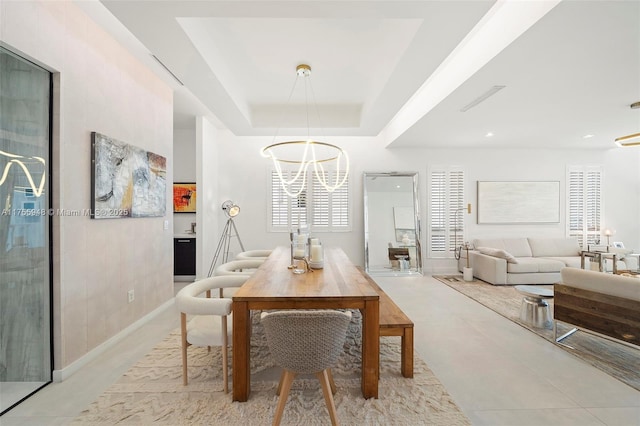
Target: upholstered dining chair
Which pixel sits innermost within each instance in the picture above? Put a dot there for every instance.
(203, 320)
(243, 268)
(254, 255)
(306, 342)
(238, 267)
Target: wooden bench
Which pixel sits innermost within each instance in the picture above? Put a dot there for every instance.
(394, 322)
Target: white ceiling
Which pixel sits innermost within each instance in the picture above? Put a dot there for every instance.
(386, 67)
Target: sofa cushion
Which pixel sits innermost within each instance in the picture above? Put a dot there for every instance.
(534, 264)
(495, 252)
(570, 261)
(554, 247)
(518, 247)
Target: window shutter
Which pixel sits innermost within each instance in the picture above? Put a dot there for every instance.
(327, 211)
(340, 205)
(456, 215)
(279, 203)
(321, 212)
(584, 204)
(438, 212)
(446, 227)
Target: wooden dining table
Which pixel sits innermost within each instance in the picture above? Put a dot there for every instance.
(338, 285)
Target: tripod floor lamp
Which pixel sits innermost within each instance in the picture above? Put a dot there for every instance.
(231, 210)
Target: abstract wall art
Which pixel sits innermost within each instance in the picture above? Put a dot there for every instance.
(126, 181)
(518, 202)
(184, 197)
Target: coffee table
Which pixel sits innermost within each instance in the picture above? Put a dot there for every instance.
(535, 309)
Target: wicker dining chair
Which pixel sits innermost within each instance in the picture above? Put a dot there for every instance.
(306, 342)
(203, 320)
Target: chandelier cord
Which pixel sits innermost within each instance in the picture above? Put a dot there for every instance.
(324, 177)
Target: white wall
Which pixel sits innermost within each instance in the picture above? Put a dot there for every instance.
(184, 170)
(244, 173)
(209, 215)
(99, 87)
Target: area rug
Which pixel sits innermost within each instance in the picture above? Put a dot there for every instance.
(616, 359)
(151, 392)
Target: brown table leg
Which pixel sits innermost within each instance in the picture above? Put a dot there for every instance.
(406, 368)
(241, 351)
(370, 349)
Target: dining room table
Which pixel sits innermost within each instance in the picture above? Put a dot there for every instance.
(339, 284)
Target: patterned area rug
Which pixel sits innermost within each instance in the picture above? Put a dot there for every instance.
(152, 391)
(617, 360)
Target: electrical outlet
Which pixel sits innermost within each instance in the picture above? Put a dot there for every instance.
(166, 225)
(131, 296)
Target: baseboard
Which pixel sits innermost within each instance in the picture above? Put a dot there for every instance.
(69, 370)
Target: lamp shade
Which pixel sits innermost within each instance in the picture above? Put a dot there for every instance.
(230, 208)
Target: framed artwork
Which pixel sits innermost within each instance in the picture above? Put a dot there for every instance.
(184, 197)
(126, 181)
(518, 202)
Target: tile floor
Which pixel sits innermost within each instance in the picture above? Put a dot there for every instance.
(497, 372)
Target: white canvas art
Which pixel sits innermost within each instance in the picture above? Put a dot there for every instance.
(518, 202)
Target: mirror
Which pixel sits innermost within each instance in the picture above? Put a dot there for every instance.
(391, 224)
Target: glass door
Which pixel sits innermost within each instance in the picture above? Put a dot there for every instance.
(25, 271)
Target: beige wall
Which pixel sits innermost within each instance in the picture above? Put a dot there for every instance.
(99, 87)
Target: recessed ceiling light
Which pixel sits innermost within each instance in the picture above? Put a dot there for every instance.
(398, 186)
(587, 136)
(488, 135)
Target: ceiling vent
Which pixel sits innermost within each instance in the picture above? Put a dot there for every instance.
(492, 91)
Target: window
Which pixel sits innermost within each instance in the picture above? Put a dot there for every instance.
(446, 207)
(584, 204)
(325, 211)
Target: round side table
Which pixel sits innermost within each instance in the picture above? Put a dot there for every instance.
(535, 309)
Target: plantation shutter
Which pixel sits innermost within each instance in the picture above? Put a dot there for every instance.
(456, 213)
(279, 203)
(446, 226)
(321, 204)
(325, 211)
(437, 241)
(340, 205)
(584, 204)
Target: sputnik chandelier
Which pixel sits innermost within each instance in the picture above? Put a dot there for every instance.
(330, 162)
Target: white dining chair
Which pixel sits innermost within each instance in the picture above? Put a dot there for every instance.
(203, 320)
(254, 255)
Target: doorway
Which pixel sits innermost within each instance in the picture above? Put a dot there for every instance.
(25, 225)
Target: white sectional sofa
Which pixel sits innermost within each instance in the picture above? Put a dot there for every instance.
(511, 261)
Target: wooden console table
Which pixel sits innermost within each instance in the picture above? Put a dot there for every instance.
(339, 285)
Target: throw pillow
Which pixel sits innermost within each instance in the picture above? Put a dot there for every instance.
(489, 251)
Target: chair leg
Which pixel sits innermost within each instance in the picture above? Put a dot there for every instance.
(183, 332)
(331, 382)
(225, 361)
(328, 396)
(280, 382)
(286, 381)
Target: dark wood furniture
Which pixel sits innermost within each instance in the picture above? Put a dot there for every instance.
(606, 304)
(184, 256)
(611, 316)
(339, 285)
(394, 322)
